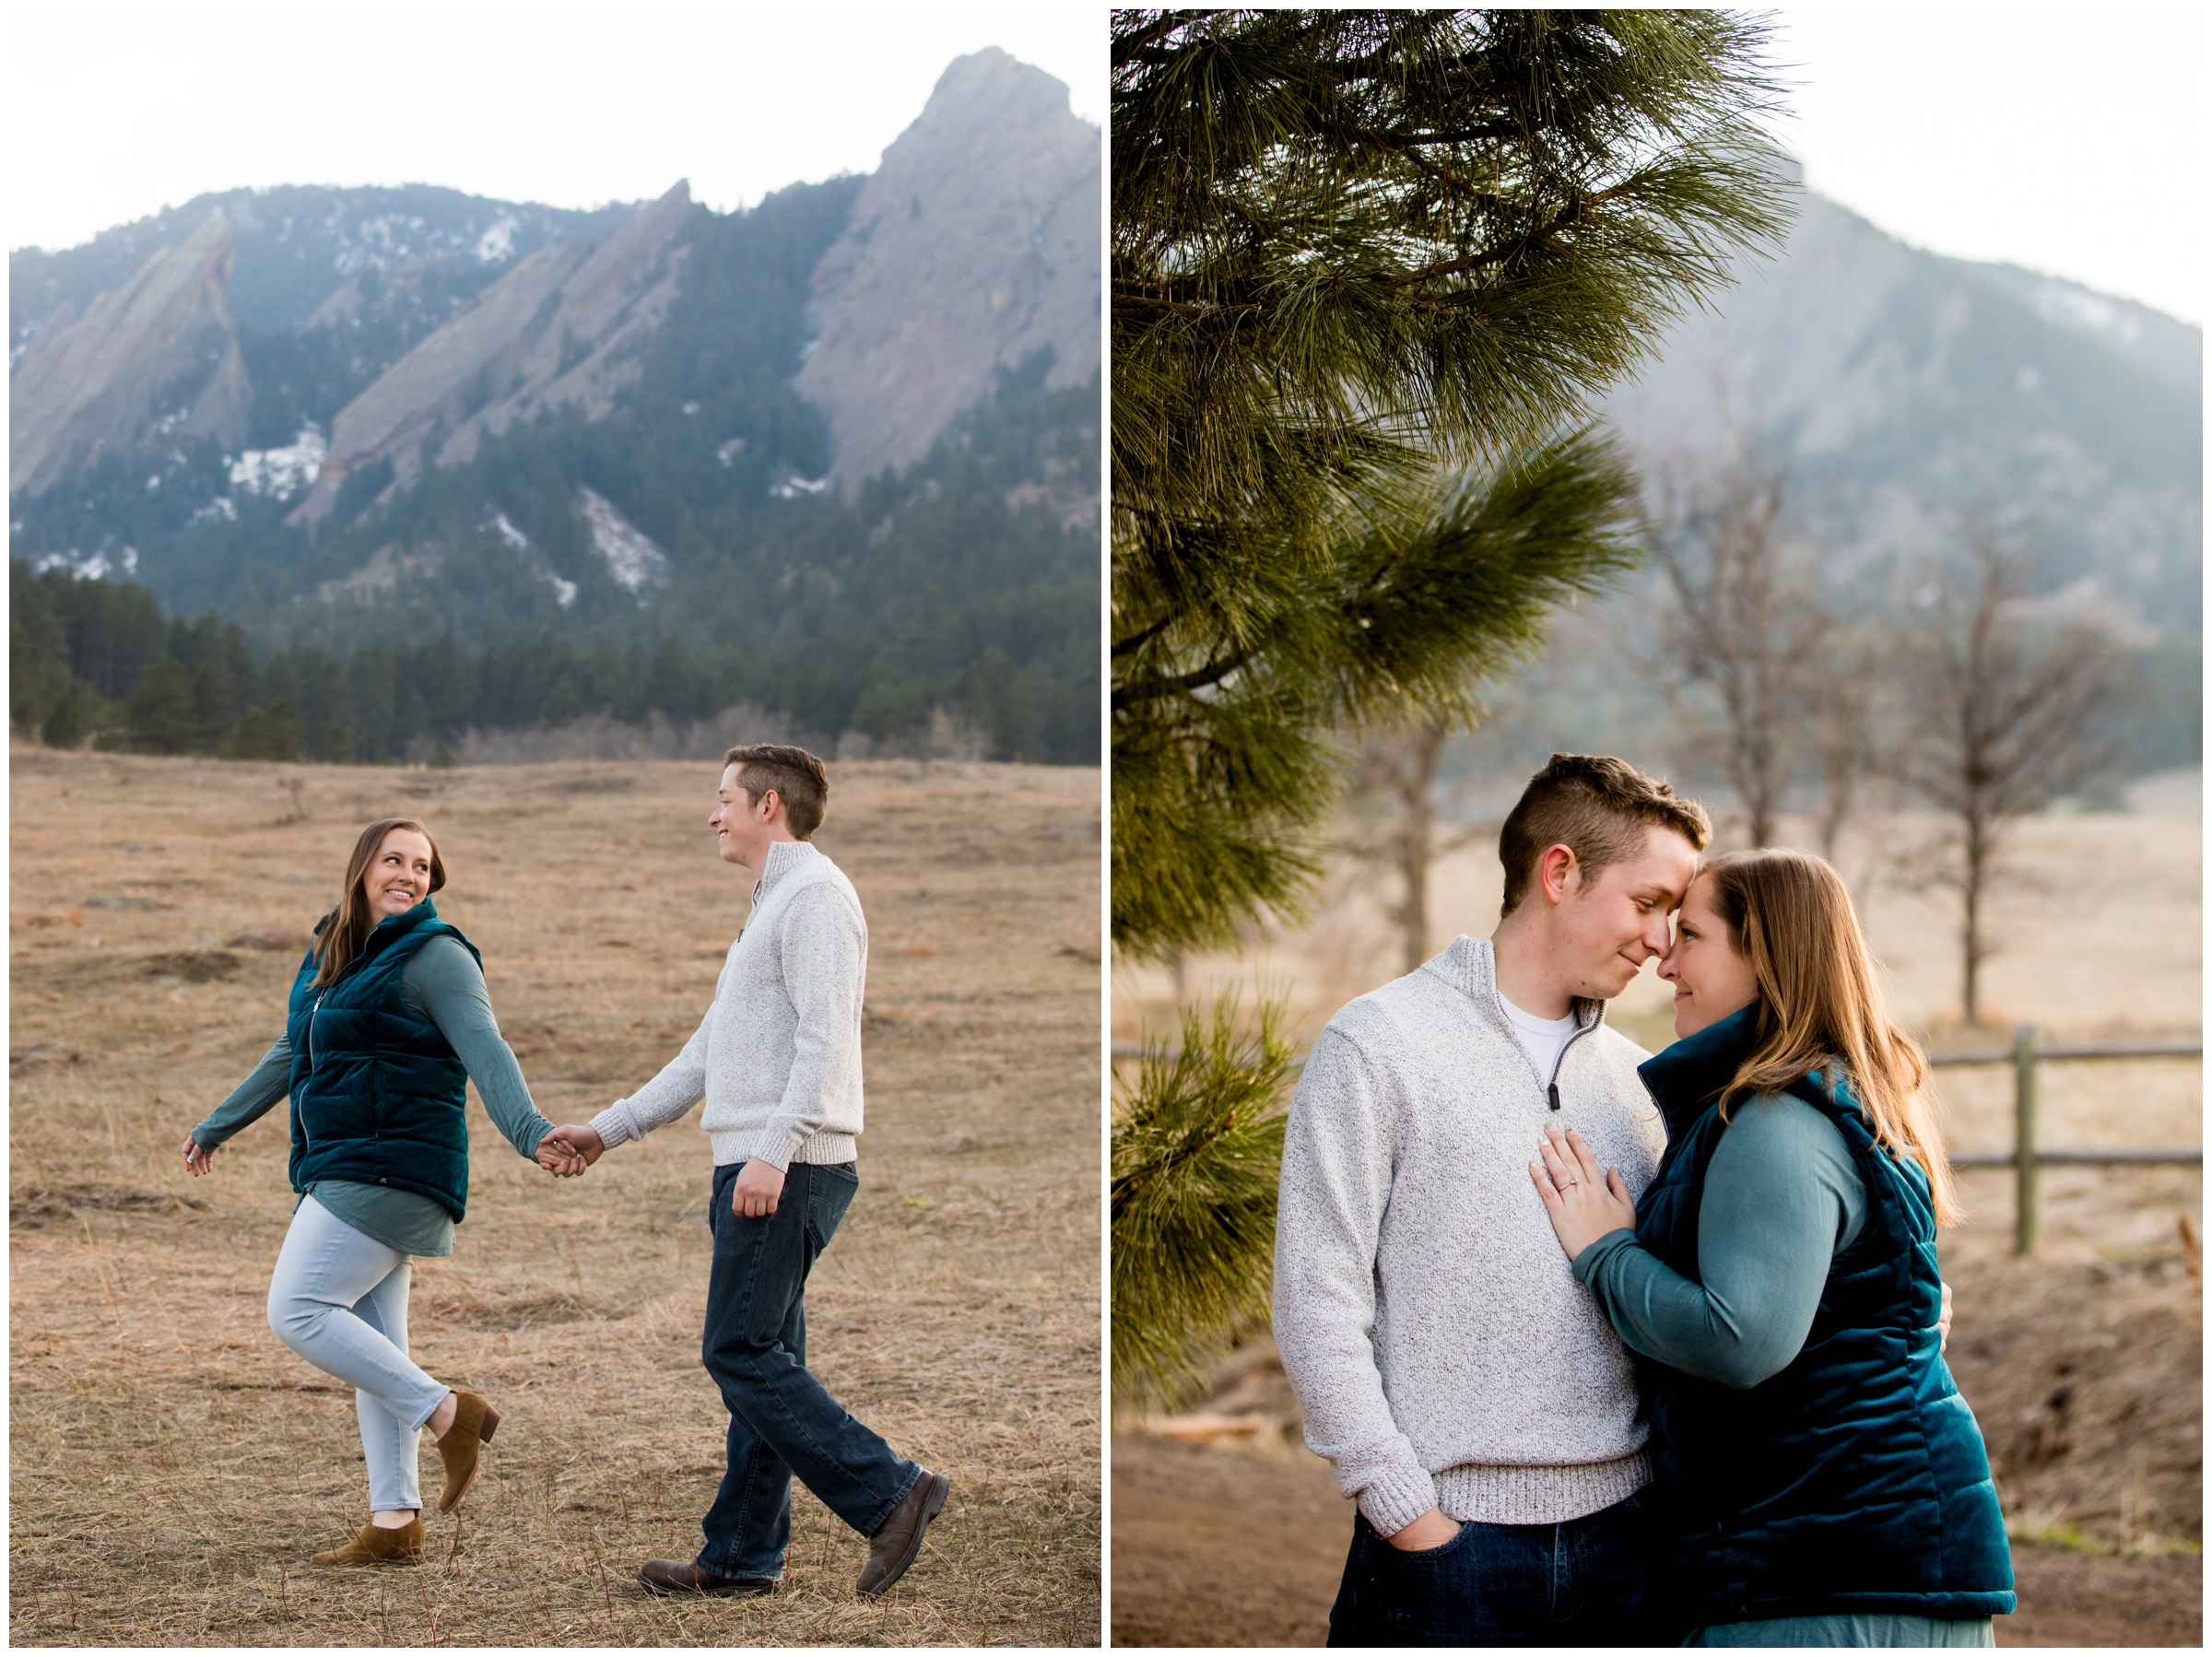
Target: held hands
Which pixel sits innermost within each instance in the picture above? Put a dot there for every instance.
(199, 1163)
(1583, 1200)
(566, 1151)
(759, 1188)
(1943, 1323)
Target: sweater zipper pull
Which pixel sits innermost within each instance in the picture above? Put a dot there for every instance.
(1553, 1090)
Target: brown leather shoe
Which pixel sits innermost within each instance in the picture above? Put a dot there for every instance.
(474, 1423)
(666, 1576)
(380, 1545)
(893, 1548)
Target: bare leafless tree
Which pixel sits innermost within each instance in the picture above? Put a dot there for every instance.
(1749, 620)
(1394, 777)
(1844, 718)
(2002, 710)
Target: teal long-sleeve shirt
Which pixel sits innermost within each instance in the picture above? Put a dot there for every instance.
(1782, 1198)
(445, 985)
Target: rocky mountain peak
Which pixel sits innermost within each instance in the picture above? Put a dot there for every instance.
(974, 244)
(154, 361)
(554, 332)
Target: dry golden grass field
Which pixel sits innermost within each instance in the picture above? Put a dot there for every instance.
(2083, 1364)
(173, 1465)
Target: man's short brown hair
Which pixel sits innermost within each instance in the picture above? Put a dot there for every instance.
(796, 776)
(1596, 806)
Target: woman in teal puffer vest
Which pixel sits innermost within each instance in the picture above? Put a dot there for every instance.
(389, 1020)
(1819, 1479)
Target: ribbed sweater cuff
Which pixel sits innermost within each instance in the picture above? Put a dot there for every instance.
(1492, 1494)
(745, 1146)
(1396, 1498)
(615, 1125)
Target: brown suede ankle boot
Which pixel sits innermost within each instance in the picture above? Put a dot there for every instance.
(474, 1422)
(380, 1545)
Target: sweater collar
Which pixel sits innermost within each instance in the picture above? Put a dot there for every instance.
(785, 856)
(1689, 1075)
(1470, 966)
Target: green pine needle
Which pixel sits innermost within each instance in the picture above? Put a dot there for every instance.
(1197, 1141)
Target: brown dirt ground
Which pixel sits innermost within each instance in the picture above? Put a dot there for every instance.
(173, 1466)
(1214, 1548)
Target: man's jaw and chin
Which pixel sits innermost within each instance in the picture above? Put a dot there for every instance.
(1614, 984)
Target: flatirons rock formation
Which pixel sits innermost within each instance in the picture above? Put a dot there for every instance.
(975, 243)
(555, 332)
(153, 362)
(292, 244)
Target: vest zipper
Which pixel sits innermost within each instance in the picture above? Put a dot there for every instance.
(306, 1139)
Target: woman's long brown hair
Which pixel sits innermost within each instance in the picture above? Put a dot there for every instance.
(1789, 916)
(340, 933)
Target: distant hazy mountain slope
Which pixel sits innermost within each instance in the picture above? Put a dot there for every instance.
(297, 244)
(2160, 345)
(153, 360)
(1905, 387)
(973, 246)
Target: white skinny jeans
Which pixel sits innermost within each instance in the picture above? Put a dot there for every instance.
(339, 1299)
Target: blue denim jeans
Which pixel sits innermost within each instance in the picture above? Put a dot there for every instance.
(783, 1421)
(1586, 1582)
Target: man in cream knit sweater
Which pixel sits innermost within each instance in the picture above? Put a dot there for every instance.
(1469, 1394)
(777, 1060)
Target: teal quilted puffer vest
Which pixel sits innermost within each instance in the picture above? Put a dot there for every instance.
(1856, 1480)
(379, 1098)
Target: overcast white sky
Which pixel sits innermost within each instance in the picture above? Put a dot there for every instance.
(113, 115)
(2068, 141)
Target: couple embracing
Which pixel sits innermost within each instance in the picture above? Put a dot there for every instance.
(1626, 1350)
(389, 1021)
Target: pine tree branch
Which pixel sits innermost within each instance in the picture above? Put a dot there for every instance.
(1128, 696)
(1136, 642)
(1141, 44)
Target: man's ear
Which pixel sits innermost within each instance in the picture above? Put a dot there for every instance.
(1557, 872)
(772, 802)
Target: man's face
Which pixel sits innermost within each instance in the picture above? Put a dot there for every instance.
(740, 827)
(1604, 930)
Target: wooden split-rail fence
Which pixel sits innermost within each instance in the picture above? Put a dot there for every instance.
(2029, 1157)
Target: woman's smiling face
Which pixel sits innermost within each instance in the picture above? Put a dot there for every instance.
(398, 876)
(1711, 979)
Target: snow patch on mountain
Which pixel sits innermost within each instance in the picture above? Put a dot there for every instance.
(633, 557)
(497, 244)
(564, 591)
(281, 473)
(86, 566)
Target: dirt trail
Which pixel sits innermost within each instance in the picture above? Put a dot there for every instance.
(1217, 1549)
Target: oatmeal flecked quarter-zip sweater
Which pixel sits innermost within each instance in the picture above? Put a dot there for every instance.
(1442, 1353)
(777, 1057)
